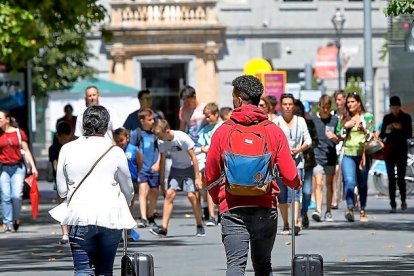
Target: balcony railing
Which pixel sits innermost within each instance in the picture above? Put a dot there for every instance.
(147, 14)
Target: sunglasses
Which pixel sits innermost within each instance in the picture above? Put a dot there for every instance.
(147, 99)
(287, 95)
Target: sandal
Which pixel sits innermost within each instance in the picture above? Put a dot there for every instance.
(363, 216)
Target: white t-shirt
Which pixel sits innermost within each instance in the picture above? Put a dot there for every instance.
(297, 135)
(113, 124)
(178, 149)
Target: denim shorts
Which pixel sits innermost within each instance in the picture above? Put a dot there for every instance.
(152, 180)
(285, 194)
(182, 179)
(324, 170)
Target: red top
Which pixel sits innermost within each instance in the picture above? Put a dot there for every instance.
(281, 156)
(10, 148)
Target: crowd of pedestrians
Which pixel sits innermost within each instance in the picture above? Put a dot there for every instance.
(322, 149)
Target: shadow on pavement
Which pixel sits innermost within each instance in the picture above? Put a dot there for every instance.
(30, 254)
(397, 265)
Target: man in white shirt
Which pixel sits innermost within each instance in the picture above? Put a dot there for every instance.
(92, 98)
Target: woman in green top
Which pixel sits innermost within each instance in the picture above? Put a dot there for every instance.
(355, 128)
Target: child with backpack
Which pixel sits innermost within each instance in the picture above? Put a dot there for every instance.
(212, 114)
(122, 139)
(148, 176)
(184, 174)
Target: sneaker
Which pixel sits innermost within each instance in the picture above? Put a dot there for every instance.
(316, 216)
(16, 224)
(64, 240)
(328, 216)
(200, 231)
(151, 222)
(363, 216)
(305, 221)
(159, 231)
(349, 215)
(143, 223)
(285, 230)
(334, 207)
(211, 222)
(297, 230)
(403, 206)
(393, 210)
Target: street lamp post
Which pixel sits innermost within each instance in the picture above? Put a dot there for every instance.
(338, 20)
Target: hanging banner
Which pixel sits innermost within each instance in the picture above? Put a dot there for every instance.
(274, 83)
(12, 91)
(326, 64)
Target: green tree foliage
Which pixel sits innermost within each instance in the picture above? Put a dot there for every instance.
(50, 33)
(399, 7)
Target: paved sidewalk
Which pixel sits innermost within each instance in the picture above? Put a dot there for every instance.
(382, 246)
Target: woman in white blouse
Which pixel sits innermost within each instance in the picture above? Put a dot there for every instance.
(97, 209)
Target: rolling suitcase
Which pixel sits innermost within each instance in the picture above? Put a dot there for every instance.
(136, 264)
(304, 264)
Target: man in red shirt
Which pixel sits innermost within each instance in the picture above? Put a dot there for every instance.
(249, 219)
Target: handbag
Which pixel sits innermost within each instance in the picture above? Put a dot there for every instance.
(26, 162)
(60, 211)
(373, 146)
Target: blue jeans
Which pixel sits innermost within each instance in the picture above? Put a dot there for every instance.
(11, 181)
(249, 225)
(285, 194)
(93, 249)
(352, 177)
(306, 190)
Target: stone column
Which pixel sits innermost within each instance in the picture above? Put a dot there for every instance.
(207, 75)
(118, 55)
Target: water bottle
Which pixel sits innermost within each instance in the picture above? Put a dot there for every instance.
(135, 234)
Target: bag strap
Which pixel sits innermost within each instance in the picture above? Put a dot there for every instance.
(19, 138)
(89, 172)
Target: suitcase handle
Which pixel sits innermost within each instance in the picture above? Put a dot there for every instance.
(293, 226)
(125, 237)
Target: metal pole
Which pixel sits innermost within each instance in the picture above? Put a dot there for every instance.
(338, 62)
(29, 101)
(368, 71)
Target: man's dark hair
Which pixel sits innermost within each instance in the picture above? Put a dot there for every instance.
(95, 120)
(142, 92)
(63, 128)
(91, 86)
(68, 106)
(272, 100)
(248, 88)
(187, 92)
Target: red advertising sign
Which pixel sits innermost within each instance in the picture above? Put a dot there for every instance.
(325, 64)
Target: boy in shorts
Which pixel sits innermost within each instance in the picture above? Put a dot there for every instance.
(148, 176)
(211, 112)
(184, 174)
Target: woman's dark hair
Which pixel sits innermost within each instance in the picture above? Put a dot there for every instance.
(347, 115)
(95, 120)
(13, 121)
(301, 108)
